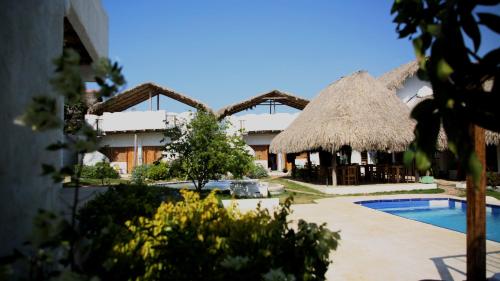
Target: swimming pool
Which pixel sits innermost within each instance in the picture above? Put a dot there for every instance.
(443, 212)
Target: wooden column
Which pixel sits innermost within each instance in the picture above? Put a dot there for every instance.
(150, 102)
(476, 212)
(158, 102)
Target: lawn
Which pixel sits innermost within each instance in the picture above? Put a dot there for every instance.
(301, 194)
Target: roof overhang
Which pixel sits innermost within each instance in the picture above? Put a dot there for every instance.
(142, 93)
(271, 98)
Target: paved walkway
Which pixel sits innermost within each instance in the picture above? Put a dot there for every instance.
(380, 246)
(366, 188)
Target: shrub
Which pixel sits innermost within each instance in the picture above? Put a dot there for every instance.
(140, 174)
(101, 170)
(158, 171)
(198, 240)
(102, 220)
(257, 171)
(175, 170)
(493, 179)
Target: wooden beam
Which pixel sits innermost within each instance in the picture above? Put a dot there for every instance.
(476, 212)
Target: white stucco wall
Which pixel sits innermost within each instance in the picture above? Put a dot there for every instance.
(136, 120)
(259, 139)
(261, 122)
(413, 89)
(127, 140)
(32, 36)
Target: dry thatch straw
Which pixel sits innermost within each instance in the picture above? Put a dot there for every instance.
(356, 110)
(395, 79)
(142, 93)
(274, 96)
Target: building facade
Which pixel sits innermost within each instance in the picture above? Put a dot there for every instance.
(33, 34)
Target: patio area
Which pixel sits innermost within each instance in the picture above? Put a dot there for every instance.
(381, 246)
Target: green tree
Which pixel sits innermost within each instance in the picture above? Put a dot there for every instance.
(457, 71)
(205, 151)
(447, 40)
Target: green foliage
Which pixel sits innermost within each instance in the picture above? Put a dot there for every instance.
(457, 72)
(101, 170)
(197, 240)
(493, 179)
(103, 223)
(257, 171)
(159, 171)
(65, 243)
(140, 174)
(204, 151)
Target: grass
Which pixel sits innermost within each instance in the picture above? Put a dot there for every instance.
(301, 194)
(413, 191)
(492, 193)
(98, 182)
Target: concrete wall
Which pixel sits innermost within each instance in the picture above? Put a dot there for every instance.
(32, 36)
(90, 21)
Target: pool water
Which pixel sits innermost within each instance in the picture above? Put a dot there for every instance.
(442, 212)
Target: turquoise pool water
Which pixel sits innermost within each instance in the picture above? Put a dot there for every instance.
(442, 212)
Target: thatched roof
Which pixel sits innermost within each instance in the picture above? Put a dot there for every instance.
(273, 96)
(142, 93)
(356, 110)
(395, 79)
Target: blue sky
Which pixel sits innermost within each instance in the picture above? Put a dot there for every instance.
(223, 51)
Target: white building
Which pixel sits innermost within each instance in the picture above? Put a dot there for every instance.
(131, 138)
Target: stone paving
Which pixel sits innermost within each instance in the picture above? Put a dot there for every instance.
(380, 246)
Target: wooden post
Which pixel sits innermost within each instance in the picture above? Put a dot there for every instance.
(334, 169)
(476, 212)
(158, 102)
(309, 167)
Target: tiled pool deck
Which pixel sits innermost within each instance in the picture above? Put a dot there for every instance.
(380, 246)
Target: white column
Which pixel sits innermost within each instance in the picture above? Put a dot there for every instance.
(334, 167)
(280, 161)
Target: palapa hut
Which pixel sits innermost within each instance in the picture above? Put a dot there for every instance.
(405, 84)
(357, 111)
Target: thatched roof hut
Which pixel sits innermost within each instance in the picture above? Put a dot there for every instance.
(274, 97)
(395, 80)
(142, 93)
(356, 110)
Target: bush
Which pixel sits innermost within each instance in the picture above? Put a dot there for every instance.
(198, 240)
(175, 170)
(493, 179)
(257, 171)
(140, 174)
(102, 220)
(158, 171)
(101, 170)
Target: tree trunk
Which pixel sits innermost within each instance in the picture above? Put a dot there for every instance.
(334, 169)
(476, 212)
